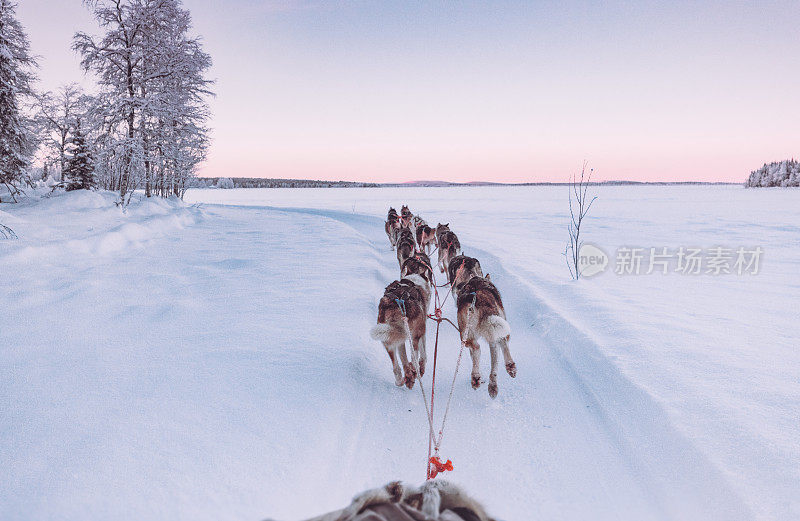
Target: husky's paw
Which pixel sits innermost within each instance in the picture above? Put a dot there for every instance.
(511, 367)
(476, 381)
(422, 367)
(398, 380)
(493, 389)
(411, 375)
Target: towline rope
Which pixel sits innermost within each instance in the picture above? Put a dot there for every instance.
(434, 464)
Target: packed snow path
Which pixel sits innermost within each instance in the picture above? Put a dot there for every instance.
(223, 370)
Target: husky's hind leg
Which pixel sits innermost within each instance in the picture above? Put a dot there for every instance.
(475, 353)
(408, 368)
(493, 371)
(398, 373)
(511, 367)
(419, 344)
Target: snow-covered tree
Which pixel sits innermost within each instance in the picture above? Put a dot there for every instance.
(79, 169)
(783, 173)
(225, 182)
(17, 142)
(56, 114)
(176, 111)
(152, 107)
(115, 58)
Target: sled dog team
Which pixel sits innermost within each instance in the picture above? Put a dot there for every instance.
(403, 309)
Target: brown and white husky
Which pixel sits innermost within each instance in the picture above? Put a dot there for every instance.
(392, 226)
(406, 216)
(426, 237)
(406, 298)
(481, 315)
(420, 264)
(406, 246)
(448, 244)
(462, 269)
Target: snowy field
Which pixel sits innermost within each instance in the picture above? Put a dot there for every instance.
(213, 360)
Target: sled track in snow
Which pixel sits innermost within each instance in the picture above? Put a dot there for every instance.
(679, 481)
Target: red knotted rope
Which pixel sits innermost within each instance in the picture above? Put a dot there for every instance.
(438, 466)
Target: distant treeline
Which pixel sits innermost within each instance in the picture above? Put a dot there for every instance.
(250, 182)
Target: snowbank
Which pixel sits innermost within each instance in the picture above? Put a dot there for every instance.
(59, 226)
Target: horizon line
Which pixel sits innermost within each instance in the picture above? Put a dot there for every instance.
(433, 183)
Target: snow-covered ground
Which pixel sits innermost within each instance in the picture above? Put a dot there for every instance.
(214, 362)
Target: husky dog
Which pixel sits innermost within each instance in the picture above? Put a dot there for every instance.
(392, 226)
(409, 298)
(432, 498)
(420, 264)
(426, 237)
(405, 245)
(448, 244)
(406, 216)
(481, 314)
(441, 228)
(462, 269)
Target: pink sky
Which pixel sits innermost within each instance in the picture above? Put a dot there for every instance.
(500, 91)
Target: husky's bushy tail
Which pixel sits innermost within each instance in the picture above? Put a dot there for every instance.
(496, 327)
(381, 332)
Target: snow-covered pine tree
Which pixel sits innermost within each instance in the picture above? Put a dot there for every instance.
(17, 142)
(780, 173)
(79, 169)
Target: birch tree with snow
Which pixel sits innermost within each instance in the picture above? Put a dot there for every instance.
(56, 114)
(152, 109)
(17, 141)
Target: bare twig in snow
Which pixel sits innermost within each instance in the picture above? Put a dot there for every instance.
(579, 205)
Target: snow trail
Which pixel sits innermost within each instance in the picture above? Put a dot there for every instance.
(675, 479)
